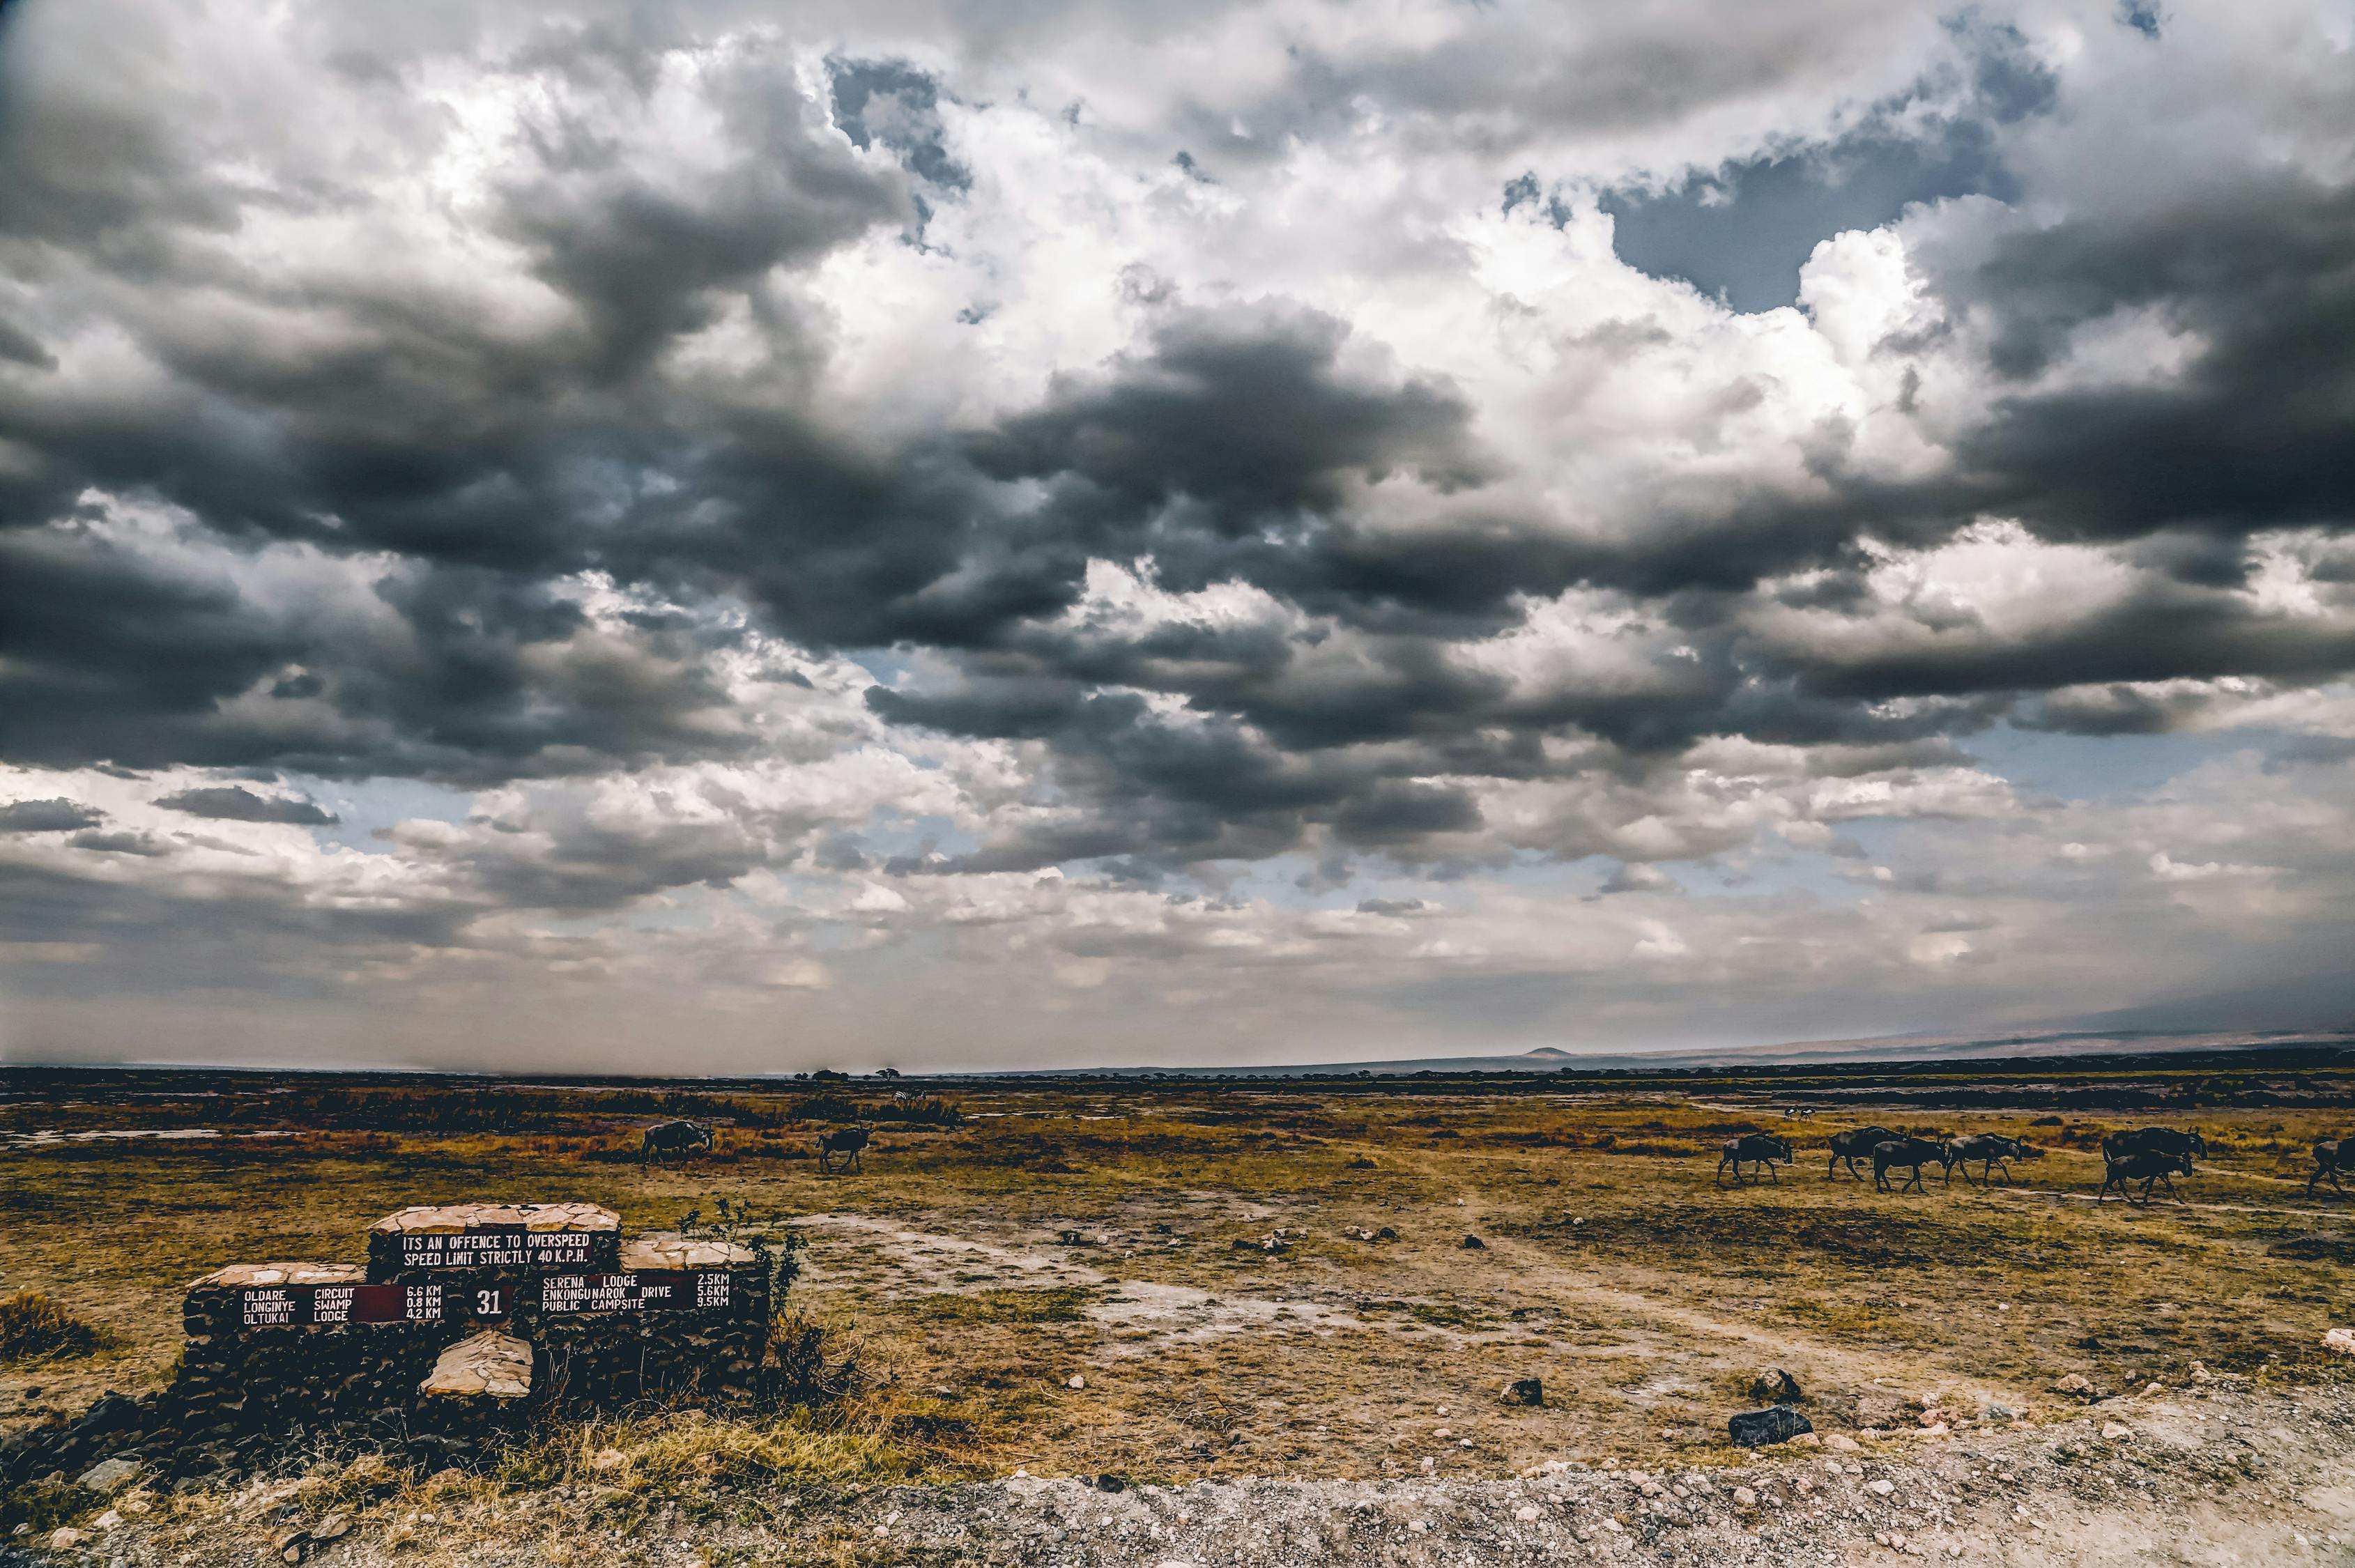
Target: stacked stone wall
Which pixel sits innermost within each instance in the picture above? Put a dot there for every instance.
(278, 1351)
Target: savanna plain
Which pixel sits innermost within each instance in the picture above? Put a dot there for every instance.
(1267, 1320)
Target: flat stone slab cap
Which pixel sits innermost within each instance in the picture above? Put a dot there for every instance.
(240, 1276)
(457, 1219)
(489, 1365)
(668, 1250)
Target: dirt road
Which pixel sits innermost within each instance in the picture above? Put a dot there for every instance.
(2214, 1476)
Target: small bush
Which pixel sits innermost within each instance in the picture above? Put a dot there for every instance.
(34, 1324)
(42, 1506)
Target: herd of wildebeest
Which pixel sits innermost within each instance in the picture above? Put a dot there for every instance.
(2153, 1157)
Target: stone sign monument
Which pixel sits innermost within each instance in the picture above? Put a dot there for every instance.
(464, 1319)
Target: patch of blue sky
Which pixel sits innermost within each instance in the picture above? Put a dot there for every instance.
(2102, 767)
(368, 806)
(888, 666)
(1741, 231)
(892, 834)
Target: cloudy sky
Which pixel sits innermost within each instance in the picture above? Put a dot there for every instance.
(718, 536)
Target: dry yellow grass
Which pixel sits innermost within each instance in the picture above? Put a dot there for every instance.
(1613, 1268)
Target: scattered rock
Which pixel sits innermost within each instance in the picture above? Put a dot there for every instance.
(2074, 1385)
(108, 1477)
(1776, 1423)
(1743, 1497)
(2341, 1340)
(1842, 1441)
(1109, 1483)
(489, 1365)
(1076, 1380)
(1527, 1513)
(1775, 1385)
(65, 1539)
(1881, 1489)
(106, 1521)
(1471, 1244)
(1523, 1390)
(2113, 1430)
(2000, 1413)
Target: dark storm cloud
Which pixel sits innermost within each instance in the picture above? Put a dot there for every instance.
(489, 458)
(647, 263)
(230, 803)
(53, 815)
(1249, 411)
(112, 653)
(2260, 430)
(478, 459)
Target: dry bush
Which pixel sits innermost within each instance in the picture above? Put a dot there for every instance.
(34, 1324)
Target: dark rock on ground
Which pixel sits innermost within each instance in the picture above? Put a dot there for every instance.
(1776, 1423)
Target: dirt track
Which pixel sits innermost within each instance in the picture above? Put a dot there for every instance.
(2209, 1476)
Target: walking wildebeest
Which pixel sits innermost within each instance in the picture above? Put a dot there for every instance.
(1854, 1145)
(673, 1138)
(1990, 1149)
(1762, 1149)
(2332, 1155)
(849, 1143)
(1914, 1152)
(2153, 1140)
(2147, 1168)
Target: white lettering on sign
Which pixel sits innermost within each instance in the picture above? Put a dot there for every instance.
(497, 1249)
(649, 1292)
(268, 1309)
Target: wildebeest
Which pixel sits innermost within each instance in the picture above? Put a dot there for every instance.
(2147, 1168)
(1854, 1144)
(2332, 1155)
(674, 1138)
(1762, 1149)
(1991, 1150)
(2153, 1140)
(849, 1143)
(1908, 1152)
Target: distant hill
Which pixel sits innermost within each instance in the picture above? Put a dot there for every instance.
(2325, 1002)
(1881, 1048)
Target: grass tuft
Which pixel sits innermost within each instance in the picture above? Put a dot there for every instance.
(33, 1325)
(1062, 1304)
